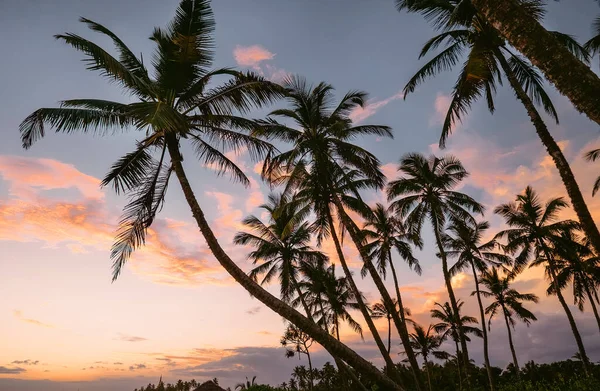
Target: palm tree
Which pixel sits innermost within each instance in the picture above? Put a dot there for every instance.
(327, 171)
(533, 227)
(464, 243)
(426, 191)
(330, 297)
(488, 56)
(524, 32)
(380, 311)
(593, 45)
(247, 385)
(426, 344)
(451, 324)
(175, 105)
(576, 264)
(509, 301)
(281, 245)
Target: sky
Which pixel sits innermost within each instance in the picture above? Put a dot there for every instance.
(174, 312)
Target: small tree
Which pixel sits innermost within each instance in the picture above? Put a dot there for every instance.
(298, 342)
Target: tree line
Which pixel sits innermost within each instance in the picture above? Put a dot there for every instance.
(321, 176)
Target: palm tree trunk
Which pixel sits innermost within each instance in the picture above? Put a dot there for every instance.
(448, 280)
(385, 296)
(584, 358)
(427, 372)
(278, 306)
(397, 287)
(570, 76)
(486, 355)
(593, 304)
(561, 163)
(310, 369)
(361, 303)
(389, 319)
(458, 360)
(512, 346)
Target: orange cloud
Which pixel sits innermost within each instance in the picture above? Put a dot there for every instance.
(251, 56)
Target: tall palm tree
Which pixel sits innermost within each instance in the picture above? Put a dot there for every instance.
(173, 105)
(464, 242)
(533, 227)
(385, 233)
(331, 297)
(451, 324)
(509, 301)
(380, 311)
(281, 245)
(426, 344)
(327, 171)
(572, 78)
(488, 56)
(426, 191)
(576, 264)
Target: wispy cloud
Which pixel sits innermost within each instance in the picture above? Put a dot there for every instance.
(129, 338)
(136, 367)
(254, 310)
(359, 114)
(26, 362)
(19, 315)
(11, 371)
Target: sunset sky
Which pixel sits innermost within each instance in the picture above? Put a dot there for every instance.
(174, 312)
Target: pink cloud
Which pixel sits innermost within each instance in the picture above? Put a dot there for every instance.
(27, 175)
(441, 105)
(360, 114)
(251, 56)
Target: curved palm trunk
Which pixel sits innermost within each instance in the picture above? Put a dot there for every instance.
(397, 287)
(361, 304)
(278, 306)
(448, 280)
(571, 77)
(593, 304)
(486, 355)
(584, 358)
(561, 163)
(512, 346)
(385, 296)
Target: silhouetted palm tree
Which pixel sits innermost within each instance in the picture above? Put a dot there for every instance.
(427, 344)
(326, 169)
(509, 301)
(180, 102)
(247, 385)
(426, 191)
(593, 45)
(380, 311)
(533, 227)
(576, 264)
(463, 242)
(488, 56)
(385, 233)
(281, 245)
(450, 326)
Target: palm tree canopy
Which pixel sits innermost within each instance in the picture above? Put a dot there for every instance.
(447, 327)
(281, 245)
(385, 233)
(174, 103)
(426, 343)
(463, 241)
(329, 296)
(467, 34)
(532, 224)
(427, 191)
(379, 310)
(506, 299)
